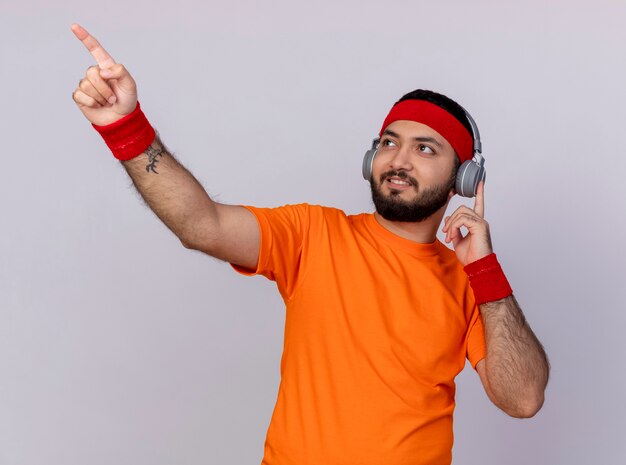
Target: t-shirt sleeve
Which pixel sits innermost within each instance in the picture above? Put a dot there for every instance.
(476, 347)
(283, 231)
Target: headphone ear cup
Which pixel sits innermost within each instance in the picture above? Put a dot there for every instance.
(467, 178)
(368, 160)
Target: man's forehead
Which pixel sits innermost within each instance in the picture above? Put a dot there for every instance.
(439, 120)
(413, 130)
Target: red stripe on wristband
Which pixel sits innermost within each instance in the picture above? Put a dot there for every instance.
(129, 136)
(488, 280)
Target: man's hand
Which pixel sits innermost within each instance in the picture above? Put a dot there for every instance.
(107, 92)
(477, 243)
(230, 233)
(515, 370)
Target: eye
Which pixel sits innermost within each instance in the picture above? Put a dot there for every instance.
(425, 149)
(387, 143)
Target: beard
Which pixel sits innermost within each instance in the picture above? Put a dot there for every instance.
(394, 208)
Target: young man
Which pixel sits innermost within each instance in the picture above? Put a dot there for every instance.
(380, 315)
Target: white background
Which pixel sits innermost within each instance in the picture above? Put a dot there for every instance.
(117, 345)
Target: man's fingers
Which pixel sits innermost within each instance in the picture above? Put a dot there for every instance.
(88, 88)
(454, 227)
(85, 100)
(124, 84)
(479, 205)
(116, 71)
(461, 209)
(469, 220)
(100, 85)
(101, 56)
(457, 239)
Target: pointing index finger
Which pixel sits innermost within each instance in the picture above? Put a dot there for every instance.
(479, 205)
(101, 56)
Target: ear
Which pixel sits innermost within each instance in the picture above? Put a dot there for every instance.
(451, 193)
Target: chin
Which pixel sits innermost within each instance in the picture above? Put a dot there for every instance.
(407, 205)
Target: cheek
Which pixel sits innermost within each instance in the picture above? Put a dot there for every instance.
(439, 173)
(383, 160)
(378, 165)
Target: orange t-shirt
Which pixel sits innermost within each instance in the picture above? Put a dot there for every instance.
(377, 327)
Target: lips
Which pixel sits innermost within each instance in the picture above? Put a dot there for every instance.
(398, 180)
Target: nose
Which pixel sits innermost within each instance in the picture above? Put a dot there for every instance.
(401, 160)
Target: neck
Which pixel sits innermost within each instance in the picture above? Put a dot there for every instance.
(423, 232)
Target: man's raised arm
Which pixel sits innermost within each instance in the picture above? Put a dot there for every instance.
(107, 96)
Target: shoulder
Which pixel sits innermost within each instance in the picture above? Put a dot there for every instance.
(301, 213)
(310, 216)
(331, 216)
(302, 207)
(321, 212)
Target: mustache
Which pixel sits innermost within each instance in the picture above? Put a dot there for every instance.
(398, 174)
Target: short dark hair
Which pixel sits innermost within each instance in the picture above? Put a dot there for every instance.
(441, 101)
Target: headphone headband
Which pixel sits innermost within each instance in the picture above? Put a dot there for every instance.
(478, 146)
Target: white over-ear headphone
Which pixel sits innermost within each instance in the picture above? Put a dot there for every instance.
(470, 173)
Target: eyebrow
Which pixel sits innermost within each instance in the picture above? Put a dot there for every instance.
(418, 139)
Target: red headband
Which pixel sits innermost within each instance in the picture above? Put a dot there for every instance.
(437, 118)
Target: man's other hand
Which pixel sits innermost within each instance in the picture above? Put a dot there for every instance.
(107, 92)
(476, 243)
